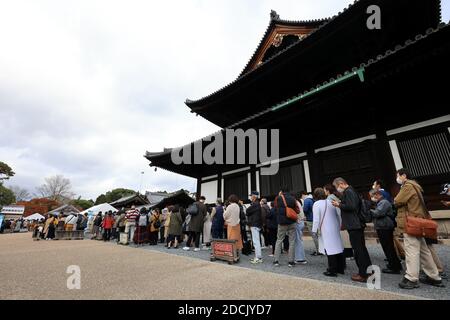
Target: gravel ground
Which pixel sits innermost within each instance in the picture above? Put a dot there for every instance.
(37, 270)
(317, 265)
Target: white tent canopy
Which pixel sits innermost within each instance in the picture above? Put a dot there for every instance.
(105, 207)
(35, 216)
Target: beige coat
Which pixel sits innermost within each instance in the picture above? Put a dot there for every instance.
(408, 201)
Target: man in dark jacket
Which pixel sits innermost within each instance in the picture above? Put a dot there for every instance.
(254, 221)
(196, 225)
(350, 206)
(265, 209)
(286, 226)
(384, 225)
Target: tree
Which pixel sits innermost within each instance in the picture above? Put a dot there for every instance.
(114, 195)
(56, 188)
(7, 197)
(101, 199)
(118, 193)
(85, 204)
(20, 193)
(41, 206)
(5, 172)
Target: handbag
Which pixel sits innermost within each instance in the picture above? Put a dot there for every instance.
(421, 227)
(290, 213)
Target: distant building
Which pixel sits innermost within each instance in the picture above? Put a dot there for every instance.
(129, 201)
(65, 210)
(13, 212)
(155, 197)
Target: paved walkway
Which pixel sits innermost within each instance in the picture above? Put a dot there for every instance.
(37, 270)
(317, 265)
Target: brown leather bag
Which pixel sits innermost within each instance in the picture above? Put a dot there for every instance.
(290, 213)
(420, 227)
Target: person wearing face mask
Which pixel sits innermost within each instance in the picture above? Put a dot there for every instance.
(409, 201)
(378, 186)
(353, 222)
(384, 225)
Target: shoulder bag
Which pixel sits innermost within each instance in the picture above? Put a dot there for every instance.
(421, 227)
(290, 213)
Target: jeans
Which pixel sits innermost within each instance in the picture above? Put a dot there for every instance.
(130, 227)
(299, 250)
(107, 234)
(256, 241)
(284, 230)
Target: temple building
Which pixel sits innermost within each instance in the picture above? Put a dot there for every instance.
(350, 101)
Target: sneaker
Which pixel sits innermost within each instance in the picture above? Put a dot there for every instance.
(303, 262)
(256, 261)
(432, 282)
(276, 263)
(186, 248)
(271, 255)
(406, 284)
(196, 249)
(291, 264)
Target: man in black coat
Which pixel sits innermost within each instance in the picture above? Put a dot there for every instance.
(352, 221)
(254, 221)
(196, 225)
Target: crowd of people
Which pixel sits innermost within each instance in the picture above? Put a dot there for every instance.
(46, 228)
(335, 216)
(14, 225)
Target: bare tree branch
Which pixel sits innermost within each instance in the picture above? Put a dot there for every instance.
(56, 188)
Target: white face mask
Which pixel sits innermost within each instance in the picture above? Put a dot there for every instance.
(374, 199)
(340, 190)
(399, 181)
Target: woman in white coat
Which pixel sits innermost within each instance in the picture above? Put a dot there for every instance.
(327, 225)
(207, 227)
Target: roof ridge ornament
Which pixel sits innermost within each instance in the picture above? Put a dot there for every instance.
(274, 15)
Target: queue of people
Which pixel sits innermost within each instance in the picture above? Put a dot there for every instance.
(335, 215)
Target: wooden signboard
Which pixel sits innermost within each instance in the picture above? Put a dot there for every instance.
(224, 250)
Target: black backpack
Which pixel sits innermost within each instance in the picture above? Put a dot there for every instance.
(192, 209)
(364, 211)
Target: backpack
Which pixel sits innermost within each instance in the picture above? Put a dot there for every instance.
(364, 211)
(143, 219)
(192, 209)
(157, 224)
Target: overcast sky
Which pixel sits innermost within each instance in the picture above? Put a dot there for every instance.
(86, 87)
